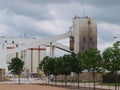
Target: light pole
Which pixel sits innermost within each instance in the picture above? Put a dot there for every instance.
(116, 37)
(16, 52)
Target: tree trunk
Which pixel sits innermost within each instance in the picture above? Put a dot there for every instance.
(65, 80)
(93, 74)
(89, 80)
(78, 80)
(19, 79)
(55, 81)
(116, 80)
(48, 79)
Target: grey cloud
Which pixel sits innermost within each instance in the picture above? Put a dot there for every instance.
(99, 3)
(107, 36)
(39, 10)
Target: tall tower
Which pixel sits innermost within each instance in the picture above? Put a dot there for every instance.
(84, 34)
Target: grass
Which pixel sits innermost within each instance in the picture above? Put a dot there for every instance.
(75, 81)
(109, 84)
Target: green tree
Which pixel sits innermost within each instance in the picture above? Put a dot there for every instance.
(57, 67)
(92, 62)
(66, 67)
(47, 65)
(76, 65)
(111, 59)
(16, 66)
(80, 67)
(44, 65)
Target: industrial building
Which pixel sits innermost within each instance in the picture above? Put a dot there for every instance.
(82, 34)
(31, 56)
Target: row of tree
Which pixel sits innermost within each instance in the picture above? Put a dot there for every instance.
(91, 60)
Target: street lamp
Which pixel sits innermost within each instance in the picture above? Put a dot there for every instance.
(115, 37)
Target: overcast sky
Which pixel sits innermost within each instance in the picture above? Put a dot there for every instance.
(45, 18)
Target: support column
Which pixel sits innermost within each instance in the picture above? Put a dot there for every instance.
(52, 50)
(16, 52)
(24, 57)
(3, 65)
(31, 60)
(38, 56)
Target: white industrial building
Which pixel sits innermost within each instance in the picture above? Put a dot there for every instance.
(31, 56)
(82, 34)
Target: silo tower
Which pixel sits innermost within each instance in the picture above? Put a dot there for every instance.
(84, 34)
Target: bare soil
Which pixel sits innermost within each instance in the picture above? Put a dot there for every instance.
(38, 87)
(30, 87)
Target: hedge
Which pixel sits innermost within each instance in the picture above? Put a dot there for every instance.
(111, 78)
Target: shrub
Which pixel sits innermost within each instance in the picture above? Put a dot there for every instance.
(111, 78)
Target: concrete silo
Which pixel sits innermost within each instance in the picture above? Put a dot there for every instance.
(84, 34)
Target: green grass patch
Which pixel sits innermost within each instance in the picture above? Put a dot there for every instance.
(109, 84)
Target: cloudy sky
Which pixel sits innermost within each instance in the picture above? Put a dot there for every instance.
(45, 18)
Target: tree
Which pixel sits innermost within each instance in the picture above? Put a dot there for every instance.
(47, 65)
(66, 67)
(57, 67)
(92, 62)
(16, 66)
(76, 64)
(111, 59)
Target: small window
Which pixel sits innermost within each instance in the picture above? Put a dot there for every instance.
(5, 41)
(84, 39)
(89, 22)
(12, 42)
(91, 39)
(83, 48)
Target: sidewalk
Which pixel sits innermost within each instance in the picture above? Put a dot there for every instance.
(23, 81)
(40, 81)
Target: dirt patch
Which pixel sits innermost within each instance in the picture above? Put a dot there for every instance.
(40, 87)
(30, 87)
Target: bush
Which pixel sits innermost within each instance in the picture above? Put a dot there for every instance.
(111, 78)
